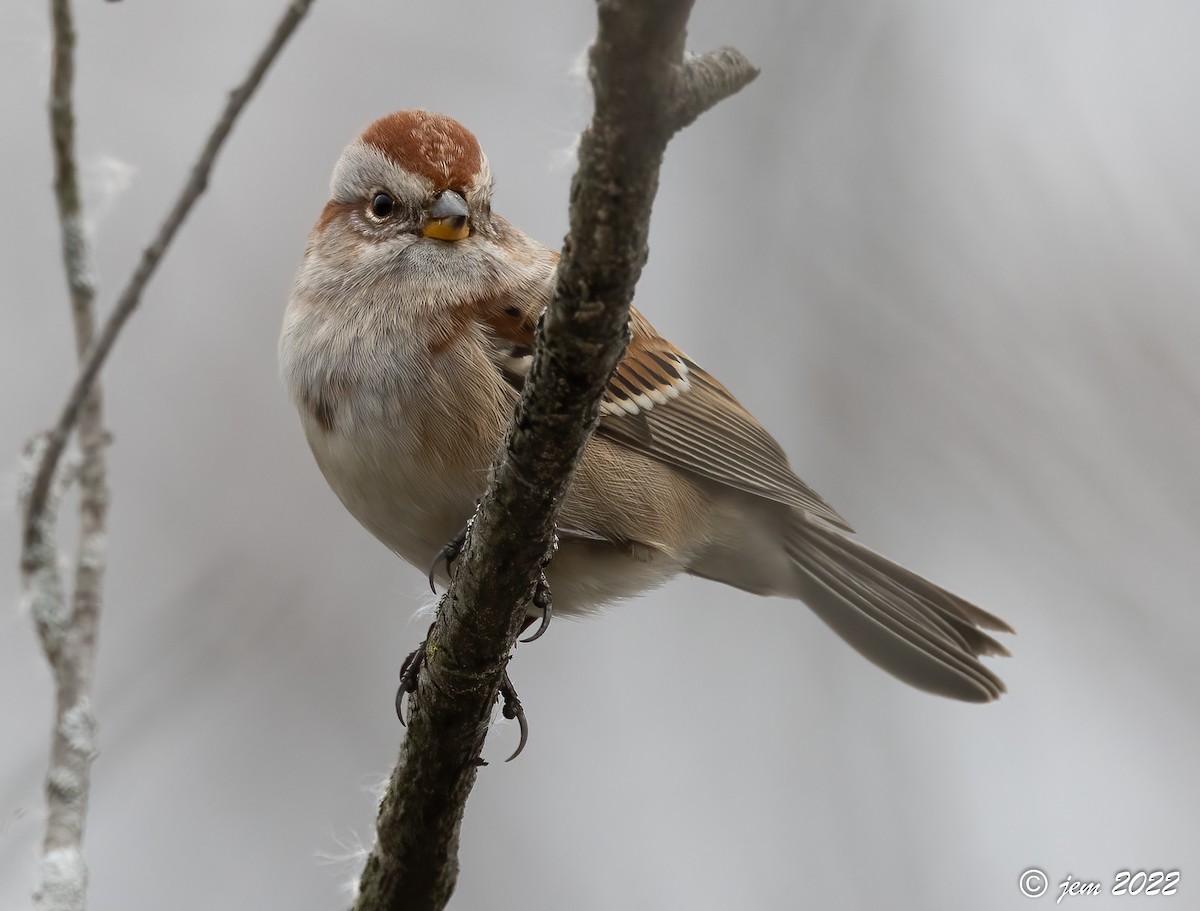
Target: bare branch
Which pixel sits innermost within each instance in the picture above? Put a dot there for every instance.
(43, 593)
(68, 635)
(644, 93)
(151, 257)
(75, 249)
(706, 79)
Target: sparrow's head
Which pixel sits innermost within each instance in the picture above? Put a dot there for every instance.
(411, 195)
(416, 173)
(409, 229)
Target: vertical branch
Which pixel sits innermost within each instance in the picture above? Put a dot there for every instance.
(69, 635)
(67, 630)
(79, 272)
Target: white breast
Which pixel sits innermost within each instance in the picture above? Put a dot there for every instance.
(378, 424)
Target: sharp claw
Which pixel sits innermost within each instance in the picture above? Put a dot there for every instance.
(542, 601)
(514, 709)
(409, 671)
(541, 629)
(448, 554)
(524, 737)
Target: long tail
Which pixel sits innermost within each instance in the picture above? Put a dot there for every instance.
(908, 626)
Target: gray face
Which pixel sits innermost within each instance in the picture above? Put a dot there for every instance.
(363, 173)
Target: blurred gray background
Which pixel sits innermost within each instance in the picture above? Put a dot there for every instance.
(947, 252)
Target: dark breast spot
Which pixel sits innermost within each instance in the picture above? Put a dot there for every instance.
(321, 408)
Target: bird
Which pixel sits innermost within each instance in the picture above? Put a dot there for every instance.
(405, 344)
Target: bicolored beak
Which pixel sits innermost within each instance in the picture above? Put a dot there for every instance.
(448, 218)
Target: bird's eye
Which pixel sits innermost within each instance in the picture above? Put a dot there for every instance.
(382, 205)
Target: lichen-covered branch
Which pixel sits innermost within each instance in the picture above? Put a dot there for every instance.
(645, 90)
(67, 626)
(67, 629)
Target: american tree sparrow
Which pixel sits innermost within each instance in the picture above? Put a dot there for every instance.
(405, 345)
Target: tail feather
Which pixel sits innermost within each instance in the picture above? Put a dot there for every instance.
(910, 627)
(952, 615)
(950, 602)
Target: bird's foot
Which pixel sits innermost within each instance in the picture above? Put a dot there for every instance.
(511, 707)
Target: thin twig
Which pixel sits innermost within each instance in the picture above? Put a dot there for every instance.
(68, 636)
(645, 91)
(130, 297)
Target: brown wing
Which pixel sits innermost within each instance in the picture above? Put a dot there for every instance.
(661, 403)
